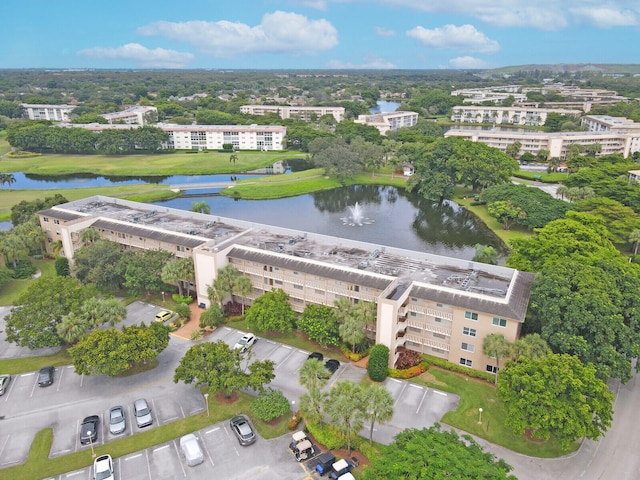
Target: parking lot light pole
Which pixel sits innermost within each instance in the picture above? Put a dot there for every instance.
(162, 297)
(206, 401)
(480, 416)
(93, 452)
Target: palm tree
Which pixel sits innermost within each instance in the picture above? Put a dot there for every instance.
(72, 328)
(634, 237)
(243, 287)
(531, 346)
(485, 254)
(344, 407)
(561, 191)
(233, 158)
(496, 346)
(56, 247)
(14, 247)
(312, 374)
(9, 179)
(377, 404)
(89, 235)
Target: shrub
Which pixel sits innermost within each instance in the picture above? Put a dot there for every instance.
(196, 335)
(270, 404)
(454, 367)
(408, 359)
(182, 299)
(183, 310)
(295, 421)
(319, 323)
(212, 317)
(62, 267)
(353, 356)
(177, 323)
(407, 372)
(24, 269)
(328, 437)
(378, 365)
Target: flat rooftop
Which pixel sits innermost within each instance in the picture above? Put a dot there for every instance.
(212, 233)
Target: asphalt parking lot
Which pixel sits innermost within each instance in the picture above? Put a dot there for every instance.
(224, 459)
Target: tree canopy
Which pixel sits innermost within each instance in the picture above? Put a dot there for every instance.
(436, 454)
(271, 311)
(555, 395)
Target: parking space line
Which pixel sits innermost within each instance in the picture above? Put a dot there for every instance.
(154, 410)
(175, 445)
(271, 342)
(208, 454)
(181, 410)
(285, 358)
(440, 393)
(33, 389)
(415, 386)
(61, 452)
(212, 430)
(193, 412)
(148, 464)
(400, 394)
(422, 399)
(160, 448)
(60, 379)
(77, 434)
(73, 474)
(395, 380)
(171, 419)
(286, 346)
(4, 445)
(133, 457)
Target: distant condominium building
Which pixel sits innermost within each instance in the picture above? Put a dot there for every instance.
(208, 137)
(306, 113)
(135, 115)
(54, 113)
(428, 303)
(607, 123)
(556, 143)
(515, 115)
(387, 121)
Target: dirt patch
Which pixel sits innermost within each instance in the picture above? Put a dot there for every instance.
(528, 434)
(222, 398)
(360, 459)
(429, 377)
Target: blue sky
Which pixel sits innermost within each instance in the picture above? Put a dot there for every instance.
(317, 34)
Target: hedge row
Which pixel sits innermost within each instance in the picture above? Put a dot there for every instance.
(439, 362)
(408, 372)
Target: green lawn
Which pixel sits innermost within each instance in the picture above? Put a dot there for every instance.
(13, 289)
(14, 366)
(39, 465)
(476, 394)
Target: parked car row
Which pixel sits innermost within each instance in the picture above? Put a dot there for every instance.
(117, 421)
(331, 365)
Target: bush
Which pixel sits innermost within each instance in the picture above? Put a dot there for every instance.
(62, 267)
(177, 323)
(295, 421)
(408, 359)
(320, 325)
(454, 367)
(328, 437)
(378, 366)
(407, 372)
(270, 405)
(24, 269)
(182, 299)
(183, 310)
(196, 335)
(212, 317)
(354, 357)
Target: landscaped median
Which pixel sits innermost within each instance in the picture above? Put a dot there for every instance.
(39, 465)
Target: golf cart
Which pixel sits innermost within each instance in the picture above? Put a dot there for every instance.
(325, 461)
(301, 447)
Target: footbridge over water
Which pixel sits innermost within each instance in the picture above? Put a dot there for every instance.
(199, 186)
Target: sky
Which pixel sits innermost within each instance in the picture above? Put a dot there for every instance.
(316, 34)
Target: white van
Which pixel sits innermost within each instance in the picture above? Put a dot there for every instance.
(191, 450)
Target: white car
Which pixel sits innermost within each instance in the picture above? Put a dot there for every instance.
(247, 340)
(103, 468)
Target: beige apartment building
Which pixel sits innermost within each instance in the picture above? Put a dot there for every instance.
(515, 115)
(137, 115)
(306, 113)
(54, 113)
(432, 304)
(388, 121)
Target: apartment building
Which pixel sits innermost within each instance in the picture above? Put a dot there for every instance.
(556, 143)
(607, 123)
(54, 113)
(137, 115)
(515, 115)
(388, 121)
(208, 137)
(428, 303)
(306, 113)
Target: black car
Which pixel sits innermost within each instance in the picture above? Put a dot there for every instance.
(45, 376)
(332, 365)
(89, 429)
(315, 356)
(243, 430)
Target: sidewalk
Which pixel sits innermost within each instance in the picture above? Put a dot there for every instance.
(186, 329)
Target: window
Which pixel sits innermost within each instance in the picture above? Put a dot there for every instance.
(46, 219)
(469, 331)
(468, 347)
(466, 362)
(492, 369)
(471, 315)
(278, 282)
(438, 305)
(414, 299)
(439, 320)
(413, 314)
(439, 335)
(57, 222)
(499, 322)
(297, 287)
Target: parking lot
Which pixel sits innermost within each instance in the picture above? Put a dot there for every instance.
(27, 409)
(224, 459)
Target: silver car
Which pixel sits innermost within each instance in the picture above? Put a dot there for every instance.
(117, 422)
(4, 383)
(142, 412)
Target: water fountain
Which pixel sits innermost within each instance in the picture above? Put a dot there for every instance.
(356, 217)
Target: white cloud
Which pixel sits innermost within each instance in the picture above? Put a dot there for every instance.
(372, 63)
(464, 38)
(143, 56)
(317, 4)
(279, 32)
(468, 63)
(605, 17)
(384, 32)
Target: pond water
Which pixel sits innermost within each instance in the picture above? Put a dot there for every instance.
(389, 216)
(385, 106)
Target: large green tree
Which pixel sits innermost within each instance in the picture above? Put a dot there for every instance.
(320, 324)
(344, 407)
(555, 395)
(271, 311)
(436, 454)
(377, 406)
(34, 320)
(217, 367)
(101, 263)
